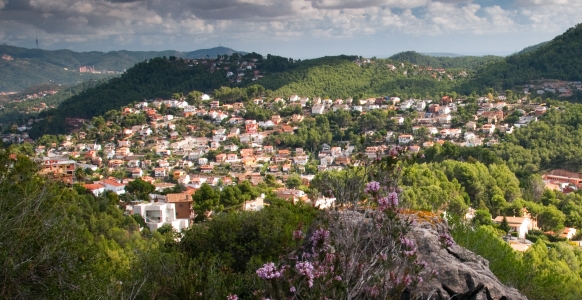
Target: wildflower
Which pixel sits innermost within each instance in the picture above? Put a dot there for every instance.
(306, 269)
(372, 187)
(320, 235)
(406, 280)
(338, 278)
(232, 297)
(292, 289)
(446, 240)
(268, 271)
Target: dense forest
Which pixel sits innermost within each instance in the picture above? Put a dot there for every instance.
(558, 59)
(340, 77)
(459, 62)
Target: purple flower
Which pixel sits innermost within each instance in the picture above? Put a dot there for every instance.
(406, 280)
(338, 278)
(393, 199)
(232, 297)
(306, 269)
(372, 187)
(292, 289)
(268, 271)
(446, 240)
(320, 235)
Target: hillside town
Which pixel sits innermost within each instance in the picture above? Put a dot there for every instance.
(178, 147)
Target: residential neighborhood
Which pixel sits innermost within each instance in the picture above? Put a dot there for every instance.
(172, 142)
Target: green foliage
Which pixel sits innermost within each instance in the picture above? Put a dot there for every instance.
(552, 142)
(140, 188)
(154, 78)
(540, 273)
(558, 59)
(340, 77)
(459, 62)
(238, 237)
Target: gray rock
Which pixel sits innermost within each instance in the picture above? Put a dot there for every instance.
(462, 273)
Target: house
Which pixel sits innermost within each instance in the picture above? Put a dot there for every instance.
(324, 202)
(317, 109)
(206, 168)
(183, 205)
(568, 233)
(251, 128)
(471, 126)
(301, 159)
(488, 128)
(291, 195)
(276, 119)
(136, 173)
(160, 172)
(95, 188)
(521, 225)
(113, 186)
(158, 214)
(255, 205)
(405, 138)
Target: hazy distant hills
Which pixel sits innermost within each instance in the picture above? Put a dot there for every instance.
(21, 68)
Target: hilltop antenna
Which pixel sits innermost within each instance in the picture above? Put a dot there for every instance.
(36, 33)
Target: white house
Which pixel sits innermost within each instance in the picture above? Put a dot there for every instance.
(317, 109)
(405, 138)
(113, 186)
(324, 202)
(521, 225)
(157, 215)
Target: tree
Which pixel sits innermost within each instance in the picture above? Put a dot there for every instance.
(140, 188)
(294, 181)
(482, 217)
(205, 199)
(504, 225)
(551, 218)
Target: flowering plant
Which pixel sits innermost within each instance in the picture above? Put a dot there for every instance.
(354, 253)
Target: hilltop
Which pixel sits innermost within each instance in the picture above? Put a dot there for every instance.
(22, 67)
(444, 60)
(558, 59)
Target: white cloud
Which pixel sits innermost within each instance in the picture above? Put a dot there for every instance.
(158, 22)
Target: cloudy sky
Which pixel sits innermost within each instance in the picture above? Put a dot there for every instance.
(291, 28)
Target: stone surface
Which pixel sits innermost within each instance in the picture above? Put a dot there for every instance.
(462, 273)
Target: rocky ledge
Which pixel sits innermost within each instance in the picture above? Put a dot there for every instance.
(462, 273)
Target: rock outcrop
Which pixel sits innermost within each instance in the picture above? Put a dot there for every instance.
(462, 273)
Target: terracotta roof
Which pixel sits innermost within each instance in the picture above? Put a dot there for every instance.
(93, 186)
(182, 197)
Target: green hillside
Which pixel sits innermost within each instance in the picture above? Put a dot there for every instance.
(561, 58)
(532, 48)
(157, 77)
(341, 76)
(21, 68)
(458, 62)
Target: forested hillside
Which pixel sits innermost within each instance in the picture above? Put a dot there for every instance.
(341, 77)
(459, 62)
(155, 78)
(22, 68)
(559, 59)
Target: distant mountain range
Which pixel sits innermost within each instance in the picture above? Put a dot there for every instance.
(21, 68)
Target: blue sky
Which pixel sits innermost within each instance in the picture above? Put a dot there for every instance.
(291, 28)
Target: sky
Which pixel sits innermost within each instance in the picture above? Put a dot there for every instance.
(290, 28)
